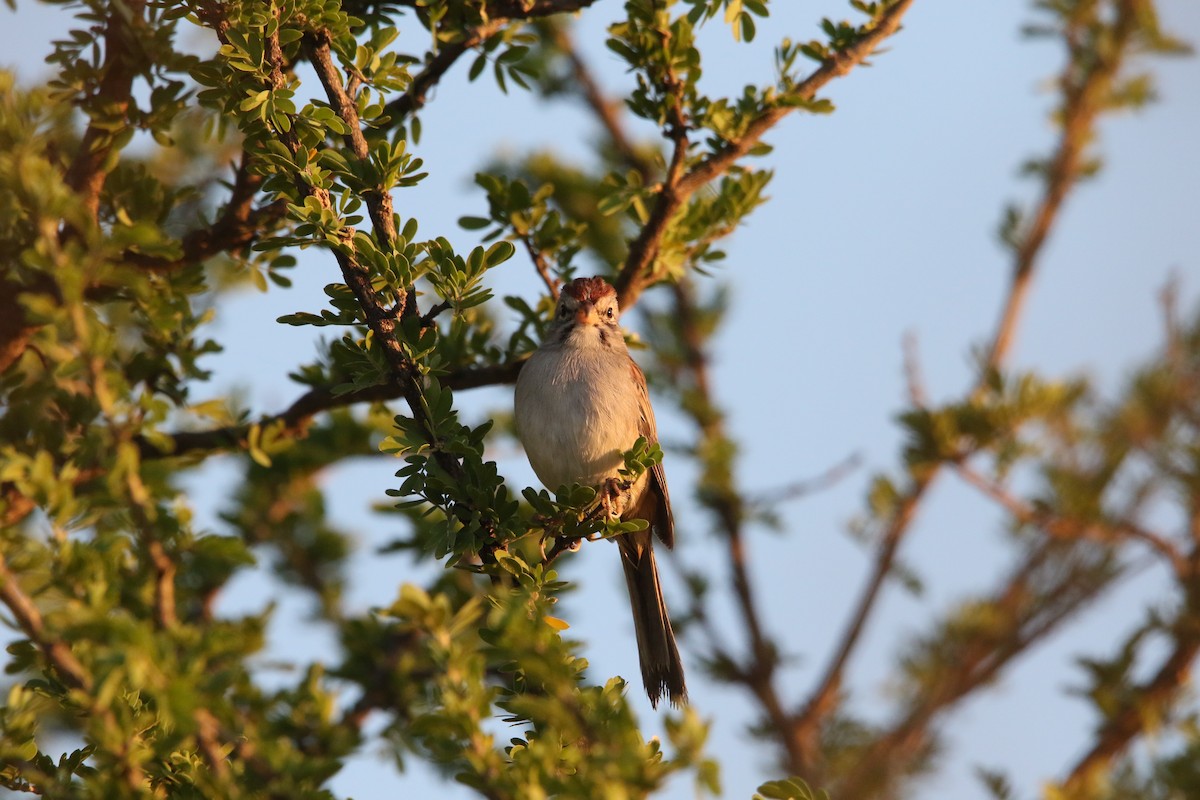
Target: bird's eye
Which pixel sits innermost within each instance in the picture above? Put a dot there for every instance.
(609, 313)
(564, 312)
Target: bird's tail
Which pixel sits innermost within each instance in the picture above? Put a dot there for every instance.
(661, 668)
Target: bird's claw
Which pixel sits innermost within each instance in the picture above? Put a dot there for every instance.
(612, 492)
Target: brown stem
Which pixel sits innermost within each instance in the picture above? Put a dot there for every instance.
(758, 670)
(1082, 103)
(123, 59)
(543, 268)
(237, 227)
(1066, 528)
(1147, 702)
(826, 696)
(606, 109)
(164, 585)
(1022, 615)
(638, 271)
(208, 740)
(500, 16)
(29, 619)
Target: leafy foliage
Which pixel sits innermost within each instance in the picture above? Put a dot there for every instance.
(145, 182)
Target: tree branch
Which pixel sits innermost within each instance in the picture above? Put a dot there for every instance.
(123, 59)
(638, 272)
(1066, 528)
(1080, 108)
(1021, 613)
(1146, 702)
(1085, 97)
(29, 619)
(721, 497)
(539, 263)
(607, 111)
(296, 418)
(238, 225)
(499, 16)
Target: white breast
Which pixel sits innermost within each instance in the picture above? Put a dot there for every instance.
(577, 411)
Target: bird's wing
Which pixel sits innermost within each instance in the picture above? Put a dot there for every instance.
(663, 521)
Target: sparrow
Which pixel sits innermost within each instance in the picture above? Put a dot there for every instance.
(581, 402)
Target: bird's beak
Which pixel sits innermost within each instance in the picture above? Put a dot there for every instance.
(586, 314)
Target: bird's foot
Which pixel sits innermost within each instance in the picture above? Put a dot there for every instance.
(613, 497)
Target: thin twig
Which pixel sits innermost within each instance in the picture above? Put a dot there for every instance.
(1081, 106)
(606, 109)
(1024, 615)
(1064, 528)
(500, 16)
(758, 671)
(913, 377)
(808, 486)
(543, 268)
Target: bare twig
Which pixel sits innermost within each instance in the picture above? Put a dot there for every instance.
(1022, 615)
(825, 697)
(809, 486)
(606, 109)
(423, 82)
(543, 268)
(913, 377)
(1168, 298)
(1084, 98)
(757, 671)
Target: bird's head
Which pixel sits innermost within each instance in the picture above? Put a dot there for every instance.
(587, 302)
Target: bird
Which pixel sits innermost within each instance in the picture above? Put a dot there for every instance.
(581, 401)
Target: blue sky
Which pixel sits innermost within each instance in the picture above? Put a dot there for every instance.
(882, 223)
